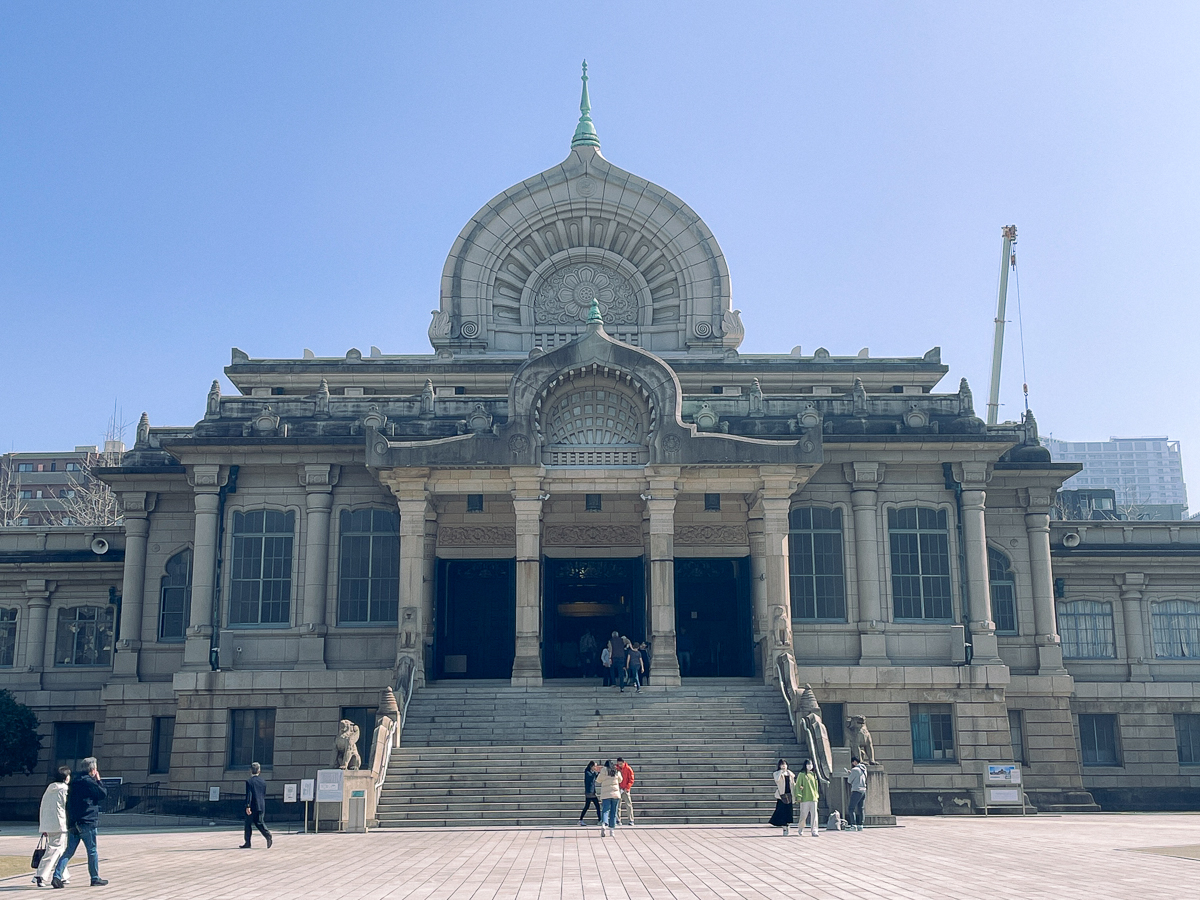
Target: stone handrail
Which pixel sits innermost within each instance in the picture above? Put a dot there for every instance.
(387, 737)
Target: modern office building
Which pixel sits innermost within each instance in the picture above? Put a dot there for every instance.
(1145, 473)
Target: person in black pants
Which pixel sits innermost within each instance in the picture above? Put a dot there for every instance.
(589, 792)
(256, 805)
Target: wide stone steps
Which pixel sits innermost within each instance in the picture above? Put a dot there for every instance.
(485, 753)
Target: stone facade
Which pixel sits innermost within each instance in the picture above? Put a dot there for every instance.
(342, 523)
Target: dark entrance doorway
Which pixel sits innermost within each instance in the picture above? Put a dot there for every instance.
(589, 596)
(712, 618)
(476, 618)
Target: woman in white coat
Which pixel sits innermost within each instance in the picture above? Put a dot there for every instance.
(608, 788)
(52, 822)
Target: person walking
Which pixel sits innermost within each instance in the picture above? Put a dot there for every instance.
(256, 805)
(606, 665)
(785, 810)
(84, 796)
(808, 792)
(587, 653)
(857, 776)
(589, 793)
(633, 666)
(645, 648)
(626, 797)
(52, 822)
(616, 656)
(608, 787)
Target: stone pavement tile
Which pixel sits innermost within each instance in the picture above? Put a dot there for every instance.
(1063, 858)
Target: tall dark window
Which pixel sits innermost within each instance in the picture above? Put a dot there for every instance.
(1004, 592)
(261, 590)
(1187, 738)
(1086, 629)
(1176, 627)
(251, 738)
(712, 502)
(72, 744)
(162, 735)
(818, 576)
(85, 636)
(369, 585)
(364, 718)
(175, 595)
(8, 636)
(1016, 735)
(1098, 740)
(920, 545)
(932, 732)
(834, 717)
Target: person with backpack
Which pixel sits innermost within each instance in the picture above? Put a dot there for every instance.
(589, 792)
(807, 792)
(857, 776)
(785, 782)
(608, 788)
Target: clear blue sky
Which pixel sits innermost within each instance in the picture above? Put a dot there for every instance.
(180, 178)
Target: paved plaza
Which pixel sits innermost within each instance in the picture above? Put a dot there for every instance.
(1086, 857)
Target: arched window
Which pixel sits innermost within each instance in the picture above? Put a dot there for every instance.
(1176, 626)
(175, 597)
(8, 636)
(1004, 592)
(818, 575)
(1086, 629)
(920, 546)
(369, 574)
(85, 636)
(260, 592)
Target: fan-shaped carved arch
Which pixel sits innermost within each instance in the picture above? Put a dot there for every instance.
(595, 419)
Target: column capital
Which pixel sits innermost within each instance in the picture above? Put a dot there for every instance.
(38, 590)
(208, 479)
(527, 481)
(1036, 500)
(136, 504)
(318, 477)
(972, 475)
(864, 476)
(1132, 584)
(136, 526)
(407, 484)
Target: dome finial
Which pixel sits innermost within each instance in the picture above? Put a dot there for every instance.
(594, 313)
(585, 131)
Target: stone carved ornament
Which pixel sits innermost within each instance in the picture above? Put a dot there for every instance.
(585, 535)
(861, 745)
(345, 747)
(567, 295)
(711, 534)
(477, 535)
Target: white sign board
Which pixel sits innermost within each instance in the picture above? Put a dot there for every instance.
(308, 789)
(1004, 774)
(1002, 796)
(289, 793)
(214, 794)
(329, 785)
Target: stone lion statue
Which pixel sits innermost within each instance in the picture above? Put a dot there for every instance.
(861, 744)
(345, 748)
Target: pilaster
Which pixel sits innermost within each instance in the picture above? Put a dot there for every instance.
(528, 497)
(37, 594)
(1041, 575)
(864, 479)
(318, 481)
(416, 603)
(207, 481)
(973, 476)
(1132, 586)
(136, 507)
(771, 506)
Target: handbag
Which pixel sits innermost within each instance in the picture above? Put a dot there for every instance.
(39, 851)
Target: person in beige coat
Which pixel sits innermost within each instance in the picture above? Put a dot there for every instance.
(52, 822)
(608, 789)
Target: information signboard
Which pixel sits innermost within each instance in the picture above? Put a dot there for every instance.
(1006, 773)
(308, 789)
(289, 793)
(329, 785)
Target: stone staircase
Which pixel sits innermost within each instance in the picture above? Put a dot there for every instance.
(484, 753)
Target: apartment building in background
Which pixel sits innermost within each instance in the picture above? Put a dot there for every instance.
(1144, 473)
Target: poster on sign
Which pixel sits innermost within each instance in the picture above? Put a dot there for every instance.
(308, 789)
(289, 793)
(1004, 774)
(329, 785)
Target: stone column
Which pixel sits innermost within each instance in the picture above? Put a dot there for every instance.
(865, 479)
(1132, 585)
(416, 611)
(528, 497)
(973, 477)
(318, 481)
(660, 511)
(136, 507)
(1041, 576)
(773, 505)
(37, 592)
(758, 582)
(207, 481)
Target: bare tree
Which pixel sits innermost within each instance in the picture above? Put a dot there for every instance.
(12, 507)
(87, 500)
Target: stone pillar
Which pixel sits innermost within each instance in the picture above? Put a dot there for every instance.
(1041, 576)
(207, 481)
(528, 498)
(973, 477)
(37, 592)
(758, 583)
(318, 481)
(772, 506)
(136, 507)
(660, 511)
(1132, 585)
(416, 611)
(865, 479)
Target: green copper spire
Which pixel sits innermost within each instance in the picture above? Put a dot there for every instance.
(585, 131)
(594, 313)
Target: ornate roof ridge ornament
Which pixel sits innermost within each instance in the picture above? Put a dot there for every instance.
(585, 131)
(594, 316)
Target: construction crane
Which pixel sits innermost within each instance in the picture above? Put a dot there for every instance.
(1008, 259)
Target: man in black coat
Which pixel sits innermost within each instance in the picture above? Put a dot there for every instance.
(84, 797)
(256, 805)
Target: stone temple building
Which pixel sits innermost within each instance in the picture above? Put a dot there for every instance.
(585, 450)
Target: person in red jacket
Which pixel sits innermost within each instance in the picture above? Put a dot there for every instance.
(626, 786)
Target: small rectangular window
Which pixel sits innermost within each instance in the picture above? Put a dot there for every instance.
(932, 732)
(162, 735)
(591, 502)
(712, 502)
(1016, 735)
(72, 744)
(475, 503)
(1187, 737)
(1098, 739)
(8, 636)
(24, 467)
(84, 636)
(251, 738)
(364, 718)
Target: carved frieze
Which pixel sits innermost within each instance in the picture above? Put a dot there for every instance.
(711, 534)
(592, 535)
(567, 295)
(477, 536)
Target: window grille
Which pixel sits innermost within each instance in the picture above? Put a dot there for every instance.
(8, 636)
(932, 732)
(1086, 629)
(1098, 740)
(175, 597)
(85, 636)
(251, 738)
(1004, 592)
(920, 546)
(1176, 626)
(261, 588)
(369, 575)
(817, 570)
(1187, 737)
